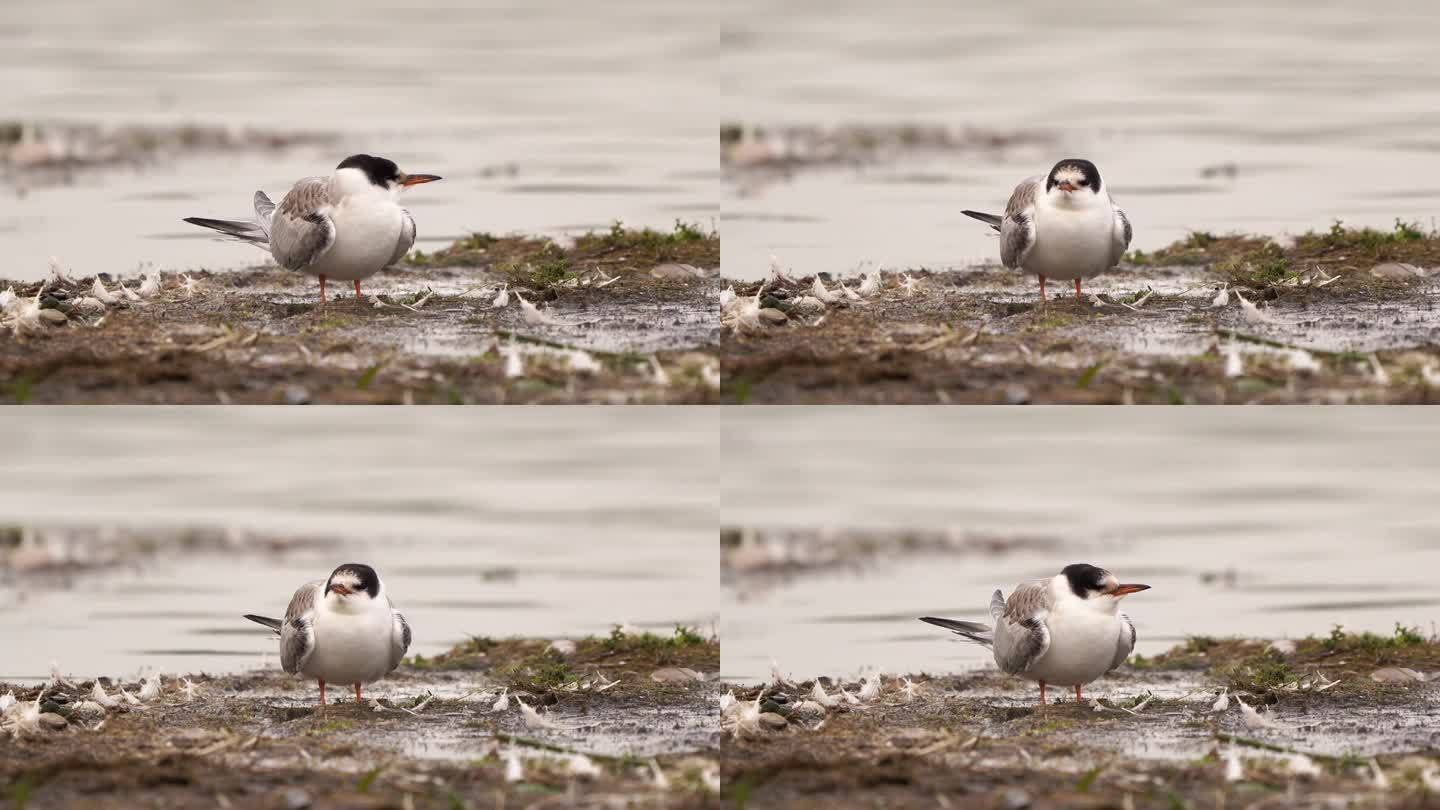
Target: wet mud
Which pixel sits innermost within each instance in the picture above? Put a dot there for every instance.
(1320, 731)
(1337, 317)
(620, 317)
(609, 724)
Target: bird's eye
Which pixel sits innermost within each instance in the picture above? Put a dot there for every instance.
(1084, 182)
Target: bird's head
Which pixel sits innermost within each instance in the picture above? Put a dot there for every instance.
(367, 173)
(1073, 182)
(352, 585)
(1097, 587)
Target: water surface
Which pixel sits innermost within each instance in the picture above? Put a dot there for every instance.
(546, 118)
(1274, 523)
(523, 523)
(1309, 111)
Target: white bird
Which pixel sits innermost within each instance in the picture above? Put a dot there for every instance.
(502, 703)
(1221, 298)
(1066, 630)
(98, 291)
(502, 298)
(342, 630)
(1064, 225)
(349, 225)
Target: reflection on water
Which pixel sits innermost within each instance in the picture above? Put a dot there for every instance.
(604, 112)
(1273, 523)
(1322, 111)
(522, 523)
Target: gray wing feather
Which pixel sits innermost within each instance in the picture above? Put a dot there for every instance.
(1122, 237)
(407, 239)
(1126, 644)
(1021, 636)
(264, 211)
(997, 605)
(297, 635)
(1017, 229)
(399, 639)
(300, 229)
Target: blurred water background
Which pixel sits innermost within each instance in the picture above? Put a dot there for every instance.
(1272, 523)
(506, 522)
(545, 117)
(1272, 118)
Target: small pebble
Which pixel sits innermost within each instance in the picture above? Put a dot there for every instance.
(52, 721)
(675, 675)
(296, 799)
(773, 721)
(773, 316)
(1015, 799)
(1396, 271)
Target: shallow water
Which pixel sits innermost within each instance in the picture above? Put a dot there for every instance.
(553, 524)
(1324, 111)
(603, 113)
(1270, 523)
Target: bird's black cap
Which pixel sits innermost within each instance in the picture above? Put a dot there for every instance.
(381, 171)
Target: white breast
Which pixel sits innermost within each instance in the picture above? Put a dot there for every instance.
(367, 229)
(1072, 243)
(351, 647)
(1082, 647)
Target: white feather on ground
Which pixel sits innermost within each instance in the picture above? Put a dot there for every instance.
(727, 701)
(98, 291)
(150, 287)
(532, 718)
(1382, 377)
(127, 293)
(817, 289)
(1234, 364)
(1234, 771)
(1251, 312)
(502, 703)
(871, 284)
(190, 285)
(514, 366)
(514, 768)
(1382, 782)
(583, 362)
(1222, 702)
(870, 689)
(502, 298)
(8, 300)
(1302, 361)
(583, 767)
(658, 777)
(56, 271)
(820, 696)
(1252, 718)
(97, 694)
(151, 688)
(533, 314)
(850, 295)
(1221, 298)
(727, 297)
(911, 285)
(90, 305)
(658, 373)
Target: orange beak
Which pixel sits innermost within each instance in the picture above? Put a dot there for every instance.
(340, 589)
(417, 179)
(1067, 186)
(1123, 590)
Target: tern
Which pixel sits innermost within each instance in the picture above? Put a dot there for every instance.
(1065, 630)
(1063, 225)
(348, 226)
(341, 630)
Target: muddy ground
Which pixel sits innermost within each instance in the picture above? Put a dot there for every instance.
(1327, 734)
(1339, 316)
(625, 316)
(624, 721)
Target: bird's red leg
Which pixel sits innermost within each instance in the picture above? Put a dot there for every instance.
(322, 694)
(357, 686)
(1042, 288)
(357, 289)
(1042, 683)
(1077, 289)
(1077, 686)
(322, 289)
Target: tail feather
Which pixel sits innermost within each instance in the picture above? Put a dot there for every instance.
(273, 624)
(989, 219)
(244, 231)
(978, 633)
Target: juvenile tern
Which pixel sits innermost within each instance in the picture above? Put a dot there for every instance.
(348, 226)
(1063, 225)
(343, 630)
(1065, 630)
